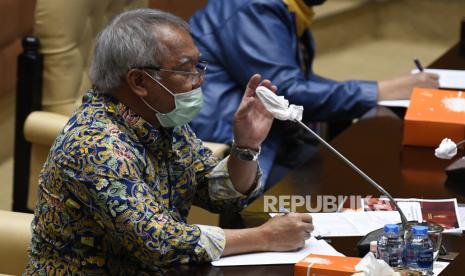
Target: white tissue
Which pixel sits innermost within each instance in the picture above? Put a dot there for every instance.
(370, 266)
(278, 105)
(446, 150)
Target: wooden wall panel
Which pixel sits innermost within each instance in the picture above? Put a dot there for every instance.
(182, 8)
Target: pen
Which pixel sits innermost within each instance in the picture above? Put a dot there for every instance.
(318, 236)
(418, 64)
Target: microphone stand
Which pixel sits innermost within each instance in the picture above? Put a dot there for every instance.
(359, 171)
(364, 244)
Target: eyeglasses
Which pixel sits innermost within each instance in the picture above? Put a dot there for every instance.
(196, 77)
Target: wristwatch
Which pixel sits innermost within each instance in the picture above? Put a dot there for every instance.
(245, 153)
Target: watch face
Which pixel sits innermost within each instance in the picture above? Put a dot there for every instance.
(245, 155)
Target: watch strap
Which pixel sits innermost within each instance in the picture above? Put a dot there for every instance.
(245, 154)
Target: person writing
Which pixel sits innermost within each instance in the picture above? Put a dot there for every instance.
(273, 38)
(116, 189)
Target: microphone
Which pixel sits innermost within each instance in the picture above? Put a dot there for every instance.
(364, 244)
(359, 171)
(279, 107)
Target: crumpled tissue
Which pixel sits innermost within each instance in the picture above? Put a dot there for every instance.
(446, 150)
(278, 105)
(370, 266)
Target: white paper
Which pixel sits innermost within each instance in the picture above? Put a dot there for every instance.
(438, 267)
(347, 224)
(454, 79)
(415, 203)
(412, 209)
(312, 245)
(462, 216)
(361, 223)
(395, 103)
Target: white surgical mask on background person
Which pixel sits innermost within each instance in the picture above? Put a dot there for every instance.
(186, 106)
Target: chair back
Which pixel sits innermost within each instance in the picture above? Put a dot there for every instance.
(15, 235)
(66, 31)
(16, 20)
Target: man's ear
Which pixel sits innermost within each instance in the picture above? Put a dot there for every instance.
(135, 79)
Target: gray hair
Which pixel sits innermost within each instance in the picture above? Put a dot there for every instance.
(128, 41)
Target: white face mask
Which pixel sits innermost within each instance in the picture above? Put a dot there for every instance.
(187, 106)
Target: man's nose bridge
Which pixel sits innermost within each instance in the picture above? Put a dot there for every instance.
(197, 80)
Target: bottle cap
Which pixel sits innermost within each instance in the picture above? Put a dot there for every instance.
(391, 228)
(419, 230)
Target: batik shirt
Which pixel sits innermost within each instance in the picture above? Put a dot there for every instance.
(115, 192)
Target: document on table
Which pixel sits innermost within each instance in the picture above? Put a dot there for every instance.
(462, 215)
(347, 224)
(444, 212)
(395, 103)
(438, 267)
(376, 213)
(312, 245)
(454, 79)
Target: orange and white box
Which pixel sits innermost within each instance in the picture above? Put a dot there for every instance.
(434, 114)
(322, 265)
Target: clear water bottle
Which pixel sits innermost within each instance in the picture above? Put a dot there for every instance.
(419, 250)
(390, 246)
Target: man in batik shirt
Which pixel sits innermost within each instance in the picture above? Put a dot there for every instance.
(120, 178)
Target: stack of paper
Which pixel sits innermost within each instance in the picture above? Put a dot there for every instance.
(350, 223)
(378, 212)
(312, 245)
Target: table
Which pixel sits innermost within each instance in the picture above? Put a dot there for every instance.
(374, 145)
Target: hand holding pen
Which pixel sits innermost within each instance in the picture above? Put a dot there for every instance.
(287, 232)
(400, 88)
(425, 79)
(284, 211)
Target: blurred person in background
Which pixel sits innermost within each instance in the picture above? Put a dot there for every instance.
(273, 38)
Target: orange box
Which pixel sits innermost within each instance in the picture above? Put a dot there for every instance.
(322, 265)
(434, 114)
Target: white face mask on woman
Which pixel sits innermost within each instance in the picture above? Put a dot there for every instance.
(187, 106)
